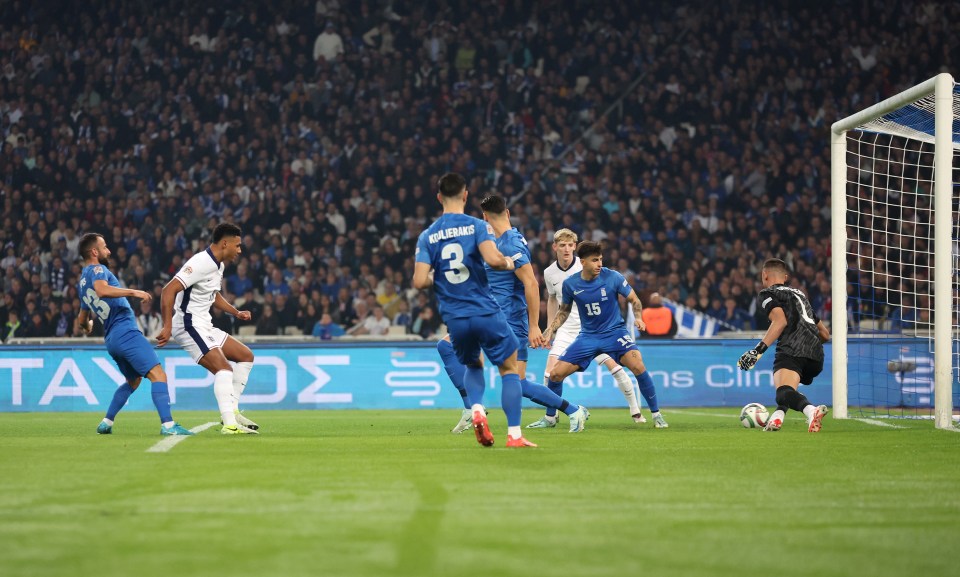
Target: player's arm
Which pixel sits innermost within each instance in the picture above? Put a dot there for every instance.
(167, 297)
(422, 276)
(637, 306)
(221, 303)
(778, 322)
(552, 307)
(104, 290)
(823, 331)
(531, 290)
(493, 257)
(558, 321)
(84, 322)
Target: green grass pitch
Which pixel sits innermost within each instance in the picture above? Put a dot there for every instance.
(384, 493)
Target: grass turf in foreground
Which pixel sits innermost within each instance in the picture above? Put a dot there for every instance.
(393, 493)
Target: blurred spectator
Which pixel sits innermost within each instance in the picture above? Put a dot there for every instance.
(426, 323)
(149, 321)
(659, 319)
(325, 329)
(12, 325)
(268, 323)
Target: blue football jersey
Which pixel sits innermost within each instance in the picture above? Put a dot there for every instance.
(451, 247)
(116, 314)
(597, 300)
(506, 287)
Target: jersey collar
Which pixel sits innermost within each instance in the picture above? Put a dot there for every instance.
(215, 261)
(573, 262)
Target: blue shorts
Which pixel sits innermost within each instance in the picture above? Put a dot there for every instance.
(133, 354)
(488, 332)
(520, 331)
(586, 347)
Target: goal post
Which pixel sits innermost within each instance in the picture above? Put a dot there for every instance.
(889, 155)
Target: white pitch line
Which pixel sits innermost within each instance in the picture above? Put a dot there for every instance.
(170, 442)
(879, 423)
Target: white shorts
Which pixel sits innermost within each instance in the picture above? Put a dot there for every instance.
(198, 340)
(562, 341)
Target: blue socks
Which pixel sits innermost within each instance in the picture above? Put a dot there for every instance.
(511, 398)
(645, 382)
(161, 400)
(544, 397)
(454, 368)
(119, 400)
(474, 384)
(557, 389)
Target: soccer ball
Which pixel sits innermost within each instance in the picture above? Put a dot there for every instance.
(754, 416)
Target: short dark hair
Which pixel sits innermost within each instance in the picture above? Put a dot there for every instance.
(493, 204)
(589, 248)
(776, 265)
(87, 243)
(225, 229)
(451, 184)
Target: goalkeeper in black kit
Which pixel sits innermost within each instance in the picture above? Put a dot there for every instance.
(799, 335)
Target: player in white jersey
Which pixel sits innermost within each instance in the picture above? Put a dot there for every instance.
(185, 308)
(566, 265)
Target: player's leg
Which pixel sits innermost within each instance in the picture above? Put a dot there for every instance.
(788, 373)
(160, 393)
(625, 384)
(577, 357)
(501, 345)
(466, 345)
(122, 393)
(561, 342)
(455, 371)
(216, 362)
(631, 358)
(543, 396)
(242, 357)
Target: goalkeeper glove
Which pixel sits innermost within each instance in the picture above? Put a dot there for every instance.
(750, 358)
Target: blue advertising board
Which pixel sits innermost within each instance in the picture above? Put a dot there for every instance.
(410, 376)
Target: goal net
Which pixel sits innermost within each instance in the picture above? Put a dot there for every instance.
(894, 261)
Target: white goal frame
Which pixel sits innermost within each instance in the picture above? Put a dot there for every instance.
(941, 87)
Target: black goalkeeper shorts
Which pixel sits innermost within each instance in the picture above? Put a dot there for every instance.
(808, 369)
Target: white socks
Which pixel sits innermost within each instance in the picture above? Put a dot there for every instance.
(108, 421)
(478, 407)
(223, 391)
(515, 432)
(626, 387)
(809, 411)
(241, 371)
(778, 414)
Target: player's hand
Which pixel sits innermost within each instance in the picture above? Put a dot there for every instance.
(143, 295)
(86, 328)
(546, 339)
(244, 315)
(164, 337)
(749, 359)
(535, 337)
(641, 326)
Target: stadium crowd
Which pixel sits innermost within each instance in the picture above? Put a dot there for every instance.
(321, 128)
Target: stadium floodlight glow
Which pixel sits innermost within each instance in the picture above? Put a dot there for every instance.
(893, 225)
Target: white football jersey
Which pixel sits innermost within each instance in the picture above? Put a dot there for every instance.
(202, 277)
(553, 277)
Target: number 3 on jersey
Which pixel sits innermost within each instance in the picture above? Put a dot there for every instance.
(458, 272)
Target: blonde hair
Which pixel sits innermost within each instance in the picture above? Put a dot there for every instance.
(565, 235)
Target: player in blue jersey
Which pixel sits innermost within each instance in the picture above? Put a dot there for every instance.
(595, 291)
(518, 294)
(450, 256)
(101, 296)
